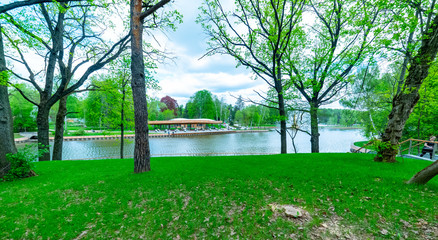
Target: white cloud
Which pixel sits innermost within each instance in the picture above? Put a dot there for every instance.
(190, 72)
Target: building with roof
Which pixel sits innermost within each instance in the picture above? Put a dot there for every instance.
(202, 123)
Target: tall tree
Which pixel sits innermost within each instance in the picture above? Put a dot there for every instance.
(55, 27)
(257, 34)
(201, 105)
(422, 122)
(140, 11)
(6, 122)
(118, 96)
(337, 42)
(404, 102)
(6, 128)
(171, 104)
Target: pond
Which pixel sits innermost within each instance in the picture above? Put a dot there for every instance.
(331, 140)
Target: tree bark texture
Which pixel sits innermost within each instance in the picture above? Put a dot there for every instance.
(281, 109)
(122, 125)
(7, 144)
(283, 129)
(142, 152)
(59, 129)
(425, 175)
(46, 102)
(314, 131)
(404, 102)
(43, 132)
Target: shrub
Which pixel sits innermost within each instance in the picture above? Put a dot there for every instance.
(79, 132)
(22, 163)
(381, 146)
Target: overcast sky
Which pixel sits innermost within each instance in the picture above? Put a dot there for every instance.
(188, 73)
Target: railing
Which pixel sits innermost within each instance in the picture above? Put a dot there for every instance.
(413, 144)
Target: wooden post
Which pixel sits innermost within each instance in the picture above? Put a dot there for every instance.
(410, 146)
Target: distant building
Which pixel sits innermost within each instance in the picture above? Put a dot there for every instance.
(185, 123)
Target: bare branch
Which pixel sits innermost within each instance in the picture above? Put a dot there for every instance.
(23, 94)
(24, 3)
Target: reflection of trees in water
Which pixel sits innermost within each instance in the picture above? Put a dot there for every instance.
(333, 140)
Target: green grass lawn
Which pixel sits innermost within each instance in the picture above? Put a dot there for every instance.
(221, 197)
(363, 143)
(17, 135)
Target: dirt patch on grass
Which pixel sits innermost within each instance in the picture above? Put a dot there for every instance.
(333, 228)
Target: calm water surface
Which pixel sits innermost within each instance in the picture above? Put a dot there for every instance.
(331, 140)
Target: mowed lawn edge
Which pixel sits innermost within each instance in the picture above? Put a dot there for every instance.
(229, 197)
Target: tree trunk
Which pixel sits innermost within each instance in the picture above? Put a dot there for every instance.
(425, 175)
(314, 131)
(404, 102)
(122, 125)
(59, 129)
(406, 59)
(281, 109)
(43, 131)
(6, 131)
(6, 128)
(142, 153)
(282, 123)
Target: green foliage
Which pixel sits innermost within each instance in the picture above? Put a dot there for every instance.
(23, 112)
(252, 116)
(79, 132)
(371, 94)
(221, 197)
(340, 117)
(381, 146)
(114, 93)
(201, 105)
(167, 114)
(22, 163)
(422, 121)
(155, 108)
(4, 78)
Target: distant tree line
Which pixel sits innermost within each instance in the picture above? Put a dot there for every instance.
(101, 109)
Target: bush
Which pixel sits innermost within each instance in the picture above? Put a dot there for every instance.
(22, 163)
(79, 132)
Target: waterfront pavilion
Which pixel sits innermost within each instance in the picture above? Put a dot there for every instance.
(180, 123)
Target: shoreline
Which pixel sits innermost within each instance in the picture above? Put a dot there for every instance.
(132, 136)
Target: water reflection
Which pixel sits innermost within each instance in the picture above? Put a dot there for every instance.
(331, 140)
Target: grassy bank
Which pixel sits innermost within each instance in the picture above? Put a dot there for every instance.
(225, 197)
(17, 135)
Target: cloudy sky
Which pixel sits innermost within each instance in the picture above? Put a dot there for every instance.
(188, 73)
